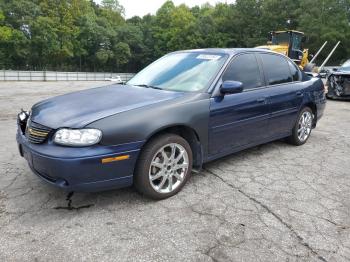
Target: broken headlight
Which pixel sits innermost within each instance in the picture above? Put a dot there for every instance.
(22, 119)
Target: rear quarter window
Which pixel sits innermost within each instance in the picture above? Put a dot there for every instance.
(294, 71)
(276, 69)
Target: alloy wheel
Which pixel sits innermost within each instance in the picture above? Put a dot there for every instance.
(168, 168)
(304, 126)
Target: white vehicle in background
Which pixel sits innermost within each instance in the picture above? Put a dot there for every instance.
(116, 79)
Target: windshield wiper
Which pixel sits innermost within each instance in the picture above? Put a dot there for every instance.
(149, 86)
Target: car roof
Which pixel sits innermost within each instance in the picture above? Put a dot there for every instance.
(229, 51)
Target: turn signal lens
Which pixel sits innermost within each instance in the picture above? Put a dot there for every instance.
(113, 159)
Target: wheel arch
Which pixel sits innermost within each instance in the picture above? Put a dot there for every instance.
(187, 133)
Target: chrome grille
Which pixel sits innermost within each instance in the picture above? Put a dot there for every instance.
(36, 133)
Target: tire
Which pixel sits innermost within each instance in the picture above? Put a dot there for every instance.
(159, 173)
(298, 137)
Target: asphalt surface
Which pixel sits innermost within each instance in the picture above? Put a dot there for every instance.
(274, 202)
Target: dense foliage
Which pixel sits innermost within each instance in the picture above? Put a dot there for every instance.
(81, 35)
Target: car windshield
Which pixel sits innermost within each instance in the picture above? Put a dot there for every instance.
(185, 71)
(346, 65)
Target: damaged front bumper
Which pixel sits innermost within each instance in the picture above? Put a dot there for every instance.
(339, 86)
(80, 169)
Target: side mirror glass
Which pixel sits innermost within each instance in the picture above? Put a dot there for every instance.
(231, 87)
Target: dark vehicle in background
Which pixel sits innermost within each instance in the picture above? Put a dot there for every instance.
(338, 82)
(183, 110)
(323, 73)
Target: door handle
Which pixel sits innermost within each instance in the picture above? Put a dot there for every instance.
(299, 93)
(261, 100)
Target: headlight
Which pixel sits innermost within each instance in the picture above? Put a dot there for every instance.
(77, 137)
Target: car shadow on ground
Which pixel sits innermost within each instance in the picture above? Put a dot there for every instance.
(75, 201)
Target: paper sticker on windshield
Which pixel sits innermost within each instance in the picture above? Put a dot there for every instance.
(208, 57)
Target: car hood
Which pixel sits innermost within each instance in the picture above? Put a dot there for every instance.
(341, 72)
(77, 109)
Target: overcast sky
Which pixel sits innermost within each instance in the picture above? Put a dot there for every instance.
(143, 7)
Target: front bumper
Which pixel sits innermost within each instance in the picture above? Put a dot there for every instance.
(80, 169)
(340, 82)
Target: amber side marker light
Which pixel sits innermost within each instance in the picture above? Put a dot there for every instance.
(113, 159)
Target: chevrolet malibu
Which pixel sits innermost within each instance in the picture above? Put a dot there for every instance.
(183, 110)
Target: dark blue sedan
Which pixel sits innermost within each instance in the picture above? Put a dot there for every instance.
(185, 109)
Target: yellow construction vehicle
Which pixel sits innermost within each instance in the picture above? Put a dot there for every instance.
(290, 43)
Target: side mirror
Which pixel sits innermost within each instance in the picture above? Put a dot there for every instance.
(231, 87)
(335, 69)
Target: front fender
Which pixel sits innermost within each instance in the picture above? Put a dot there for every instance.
(140, 124)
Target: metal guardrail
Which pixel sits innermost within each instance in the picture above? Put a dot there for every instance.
(11, 75)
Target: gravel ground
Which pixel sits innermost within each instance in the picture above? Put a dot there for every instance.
(274, 202)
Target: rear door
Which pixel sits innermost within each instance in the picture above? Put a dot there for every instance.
(285, 91)
(240, 119)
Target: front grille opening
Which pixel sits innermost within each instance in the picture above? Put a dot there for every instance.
(36, 133)
(58, 181)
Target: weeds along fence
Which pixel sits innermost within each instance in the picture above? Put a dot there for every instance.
(11, 75)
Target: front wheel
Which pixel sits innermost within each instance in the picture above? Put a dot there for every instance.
(302, 128)
(164, 166)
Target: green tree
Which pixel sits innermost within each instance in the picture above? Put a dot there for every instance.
(327, 21)
(113, 5)
(84, 35)
(122, 54)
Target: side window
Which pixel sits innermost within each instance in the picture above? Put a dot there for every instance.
(245, 69)
(276, 68)
(294, 70)
(297, 42)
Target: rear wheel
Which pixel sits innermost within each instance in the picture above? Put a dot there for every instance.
(164, 166)
(302, 128)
